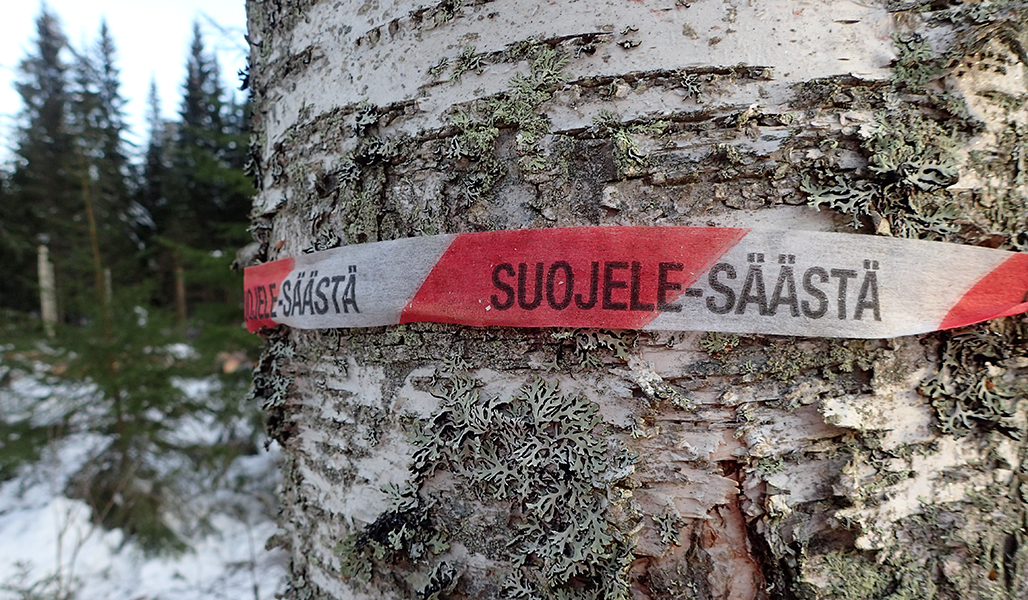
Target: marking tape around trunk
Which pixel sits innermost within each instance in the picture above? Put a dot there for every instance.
(670, 278)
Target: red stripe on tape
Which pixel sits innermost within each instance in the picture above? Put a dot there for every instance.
(612, 277)
(1001, 293)
(261, 285)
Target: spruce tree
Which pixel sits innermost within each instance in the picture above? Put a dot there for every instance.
(239, 187)
(114, 164)
(102, 132)
(17, 251)
(195, 155)
(152, 194)
(208, 155)
(46, 181)
(207, 192)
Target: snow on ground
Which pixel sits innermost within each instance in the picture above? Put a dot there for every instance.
(50, 548)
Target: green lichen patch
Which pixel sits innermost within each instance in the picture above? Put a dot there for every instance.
(750, 360)
(273, 381)
(718, 344)
(977, 387)
(857, 576)
(366, 117)
(771, 465)
(539, 453)
(468, 60)
(362, 178)
(628, 158)
(442, 579)
(914, 145)
(911, 160)
(1002, 206)
(692, 86)
(518, 109)
(436, 70)
(916, 63)
(840, 192)
(669, 527)
(399, 348)
(912, 150)
(845, 91)
(970, 549)
(536, 450)
(447, 11)
(403, 534)
(473, 147)
(582, 347)
(979, 25)
(973, 13)
(692, 83)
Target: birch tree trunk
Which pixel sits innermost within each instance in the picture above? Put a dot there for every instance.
(47, 290)
(438, 461)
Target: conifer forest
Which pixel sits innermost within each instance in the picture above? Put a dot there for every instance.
(131, 462)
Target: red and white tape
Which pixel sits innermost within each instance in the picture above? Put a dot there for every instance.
(669, 278)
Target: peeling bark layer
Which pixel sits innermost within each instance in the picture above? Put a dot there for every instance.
(438, 461)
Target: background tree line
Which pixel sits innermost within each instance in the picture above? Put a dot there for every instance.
(158, 215)
(141, 241)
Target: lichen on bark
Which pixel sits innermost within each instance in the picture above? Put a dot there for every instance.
(768, 467)
(535, 457)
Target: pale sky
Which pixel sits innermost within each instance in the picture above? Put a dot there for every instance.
(152, 38)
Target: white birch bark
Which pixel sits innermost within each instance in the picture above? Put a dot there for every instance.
(47, 290)
(727, 467)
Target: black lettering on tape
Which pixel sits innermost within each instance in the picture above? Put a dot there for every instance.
(569, 285)
(721, 288)
(336, 280)
(321, 307)
(248, 303)
(868, 297)
(664, 286)
(523, 283)
(844, 275)
(635, 290)
(753, 290)
(816, 292)
(594, 282)
(274, 300)
(308, 297)
(610, 284)
(287, 304)
(785, 293)
(503, 286)
(350, 291)
(298, 296)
